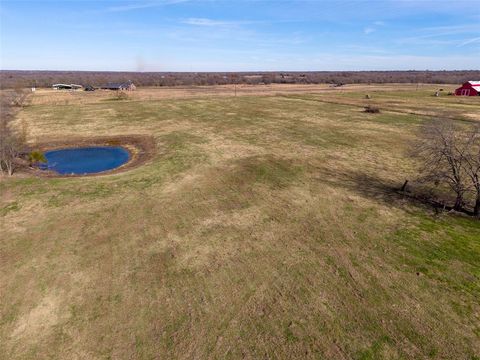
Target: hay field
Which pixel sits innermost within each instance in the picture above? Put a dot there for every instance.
(264, 226)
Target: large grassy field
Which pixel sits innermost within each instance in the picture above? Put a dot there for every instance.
(264, 227)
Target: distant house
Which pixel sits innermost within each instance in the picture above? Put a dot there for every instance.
(66, 86)
(470, 88)
(129, 86)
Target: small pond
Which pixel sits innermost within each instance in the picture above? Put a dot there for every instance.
(85, 160)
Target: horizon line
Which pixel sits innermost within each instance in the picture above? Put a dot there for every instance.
(233, 71)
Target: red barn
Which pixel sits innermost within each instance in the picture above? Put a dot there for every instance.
(470, 88)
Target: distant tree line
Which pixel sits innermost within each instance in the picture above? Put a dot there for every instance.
(15, 79)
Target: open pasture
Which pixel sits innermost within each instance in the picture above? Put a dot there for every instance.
(263, 226)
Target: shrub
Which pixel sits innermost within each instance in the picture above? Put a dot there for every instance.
(121, 96)
(36, 157)
(372, 109)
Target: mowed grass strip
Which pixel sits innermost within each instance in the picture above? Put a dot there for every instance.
(263, 227)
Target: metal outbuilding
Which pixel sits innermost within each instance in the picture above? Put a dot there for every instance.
(66, 86)
(120, 86)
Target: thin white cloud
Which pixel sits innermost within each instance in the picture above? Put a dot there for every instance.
(443, 35)
(143, 5)
(470, 41)
(362, 49)
(368, 30)
(450, 30)
(211, 22)
(326, 62)
(372, 28)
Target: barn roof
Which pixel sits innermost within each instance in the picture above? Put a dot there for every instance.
(67, 85)
(475, 84)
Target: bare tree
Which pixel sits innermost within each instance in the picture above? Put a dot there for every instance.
(11, 143)
(471, 165)
(9, 152)
(442, 150)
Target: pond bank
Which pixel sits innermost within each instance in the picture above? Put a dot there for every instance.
(141, 148)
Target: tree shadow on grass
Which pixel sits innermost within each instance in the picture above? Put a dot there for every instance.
(402, 194)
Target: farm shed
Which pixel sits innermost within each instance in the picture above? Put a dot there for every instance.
(66, 86)
(470, 88)
(120, 86)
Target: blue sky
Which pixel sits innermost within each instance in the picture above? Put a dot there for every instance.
(250, 35)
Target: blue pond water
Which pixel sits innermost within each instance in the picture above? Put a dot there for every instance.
(85, 160)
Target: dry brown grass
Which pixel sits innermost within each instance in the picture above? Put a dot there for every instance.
(62, 97)
(264, 227)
